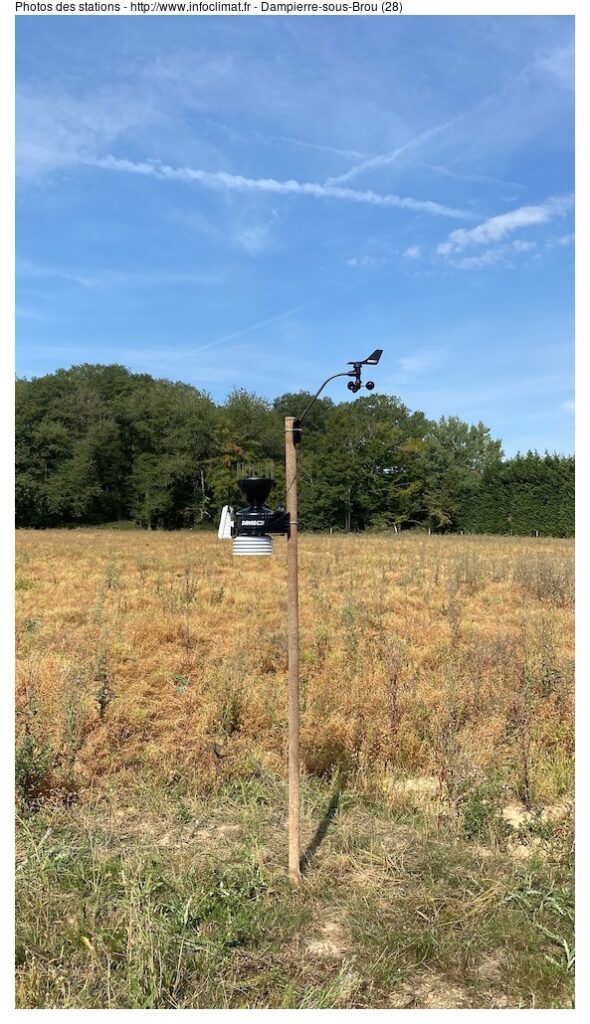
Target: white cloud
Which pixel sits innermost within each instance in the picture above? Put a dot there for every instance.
(27, 268)
(502, 254)
(561, 240)
(560, 65)
(374, 162)
(364, 261)
(485, 259)
(56, 129)
(413, 252)
(237, 182)
(108, 278)
(255, 238)
(386, 159)
(497, 228)
(421, 361)
(519, 246)
(251, 327)
(476, 179)
(26, 313)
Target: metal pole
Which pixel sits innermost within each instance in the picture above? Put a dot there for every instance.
(293, 641)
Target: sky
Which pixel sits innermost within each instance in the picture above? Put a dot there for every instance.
(251, 202)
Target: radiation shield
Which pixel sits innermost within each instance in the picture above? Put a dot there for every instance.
(252, 546)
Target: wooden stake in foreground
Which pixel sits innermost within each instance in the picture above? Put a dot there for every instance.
(249, 530)
(292, 439)
(293, 645)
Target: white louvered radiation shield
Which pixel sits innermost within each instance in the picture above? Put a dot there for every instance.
(252, 546)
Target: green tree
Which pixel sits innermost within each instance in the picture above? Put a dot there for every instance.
(97, 443)
(361, 468)
(455, 457)
(170, 432)
(525, 495)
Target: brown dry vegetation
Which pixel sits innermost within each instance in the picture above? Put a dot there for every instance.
(448, 656)
(437, 678)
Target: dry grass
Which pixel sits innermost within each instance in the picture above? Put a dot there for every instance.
(437, 735)
(450, 657)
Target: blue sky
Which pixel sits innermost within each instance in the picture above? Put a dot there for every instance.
(254, 201)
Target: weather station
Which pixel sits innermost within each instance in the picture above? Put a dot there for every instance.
(251, 530)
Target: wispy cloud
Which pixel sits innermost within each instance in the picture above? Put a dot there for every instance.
(486, 259)
(28, 268)
(26, 313)
(413, 252)
(255, 238)
(475, 179)
(559, 64)
(365, 261)
(561, 240)
(350, 154)
(503, 255)
(497, 228)
(248, 330)
(270, 139)
(57, 129)
(420, 362)
(236, 182)
(383, 160)
(107, 278)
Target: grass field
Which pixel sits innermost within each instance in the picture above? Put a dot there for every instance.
(437, 750)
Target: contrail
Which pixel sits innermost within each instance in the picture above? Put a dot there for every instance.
(246, 330)
(237, 182)
(390, 158)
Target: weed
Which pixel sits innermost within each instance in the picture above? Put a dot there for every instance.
(549, 580)
(112, 576)
(33, 765)
(22, 583)
(230, 713)
(480, 813)
(104, 694)
(182, 683)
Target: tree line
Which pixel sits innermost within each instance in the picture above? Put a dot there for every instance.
(98, 444)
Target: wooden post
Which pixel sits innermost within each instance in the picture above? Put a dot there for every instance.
(293, 641)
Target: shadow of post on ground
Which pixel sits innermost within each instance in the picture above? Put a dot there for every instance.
(322, 829)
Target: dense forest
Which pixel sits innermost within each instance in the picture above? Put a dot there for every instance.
(98, 444)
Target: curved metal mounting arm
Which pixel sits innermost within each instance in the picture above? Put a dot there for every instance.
(347, 373)
(355, 386)
(356, 373)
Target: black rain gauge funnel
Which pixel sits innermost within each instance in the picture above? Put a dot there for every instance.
(255, 483)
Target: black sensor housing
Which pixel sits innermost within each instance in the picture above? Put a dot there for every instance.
(258, 519)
